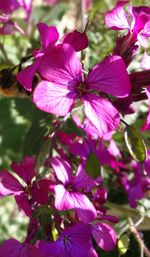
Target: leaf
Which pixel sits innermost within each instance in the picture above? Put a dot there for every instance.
(92, 165)
(135, 144)
(123, 244)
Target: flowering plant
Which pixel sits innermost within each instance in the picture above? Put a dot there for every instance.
(75, 126)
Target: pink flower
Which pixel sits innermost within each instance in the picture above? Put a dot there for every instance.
(74, 241)
(49, 37)
(68, 191)
(136, 21)
(62, 85)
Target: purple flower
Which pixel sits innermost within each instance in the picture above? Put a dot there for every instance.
(62, 85)
(68, 191)
(48, 37)
(13, 248)
(73, 242)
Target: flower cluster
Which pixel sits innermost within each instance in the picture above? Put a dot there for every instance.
(65, 195)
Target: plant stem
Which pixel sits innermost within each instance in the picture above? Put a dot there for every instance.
(143, 247)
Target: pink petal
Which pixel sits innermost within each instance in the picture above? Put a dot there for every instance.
(13, 248)
(23, 203)
(110, 76)
(25, 169)
(145, 61)
(54, 98)
(49, 35)
(105, 236)
(77, 40)
(82, 180)
(8, 6)
(62, 169)
(117, 18)
(10, 247)
(10, 182)
(25, 77)
(101, 113)
(61, 65)
(146, 125)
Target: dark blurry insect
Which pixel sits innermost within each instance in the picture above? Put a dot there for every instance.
(9, 85)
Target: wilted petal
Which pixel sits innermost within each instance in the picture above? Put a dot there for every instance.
(49, 35)
(61, 66)
(24, 169)
(62, 169)
(101, 113)
(104, 235)
(117, 18)
(53, 98)
(77, 40)
(110, 76)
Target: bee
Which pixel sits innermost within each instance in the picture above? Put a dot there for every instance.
(10, 87)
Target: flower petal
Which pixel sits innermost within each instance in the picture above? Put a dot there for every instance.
(110, 76)
(53, 98)
(117, 18)
(25, 77)
(101, 113)
(23, 203)
(61, 65)
(10, 182)
(82, 180)
(62, 169)
(77, 40)
(65, 200)
(49, 35)
(104, 235)
(24, 169)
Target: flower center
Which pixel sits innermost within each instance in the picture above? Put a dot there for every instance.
(69, 187)
(81, 89)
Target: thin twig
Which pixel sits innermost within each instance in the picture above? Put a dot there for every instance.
(138, 238)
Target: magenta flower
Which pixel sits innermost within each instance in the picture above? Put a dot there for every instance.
(62, 85)
(69, 192)
(136, 21)
(74, 241)
(28, 192)
(49, 37)
(14, 248)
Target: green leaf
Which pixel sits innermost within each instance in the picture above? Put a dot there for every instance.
(93, 165)
(123, 244)
(135, 144)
